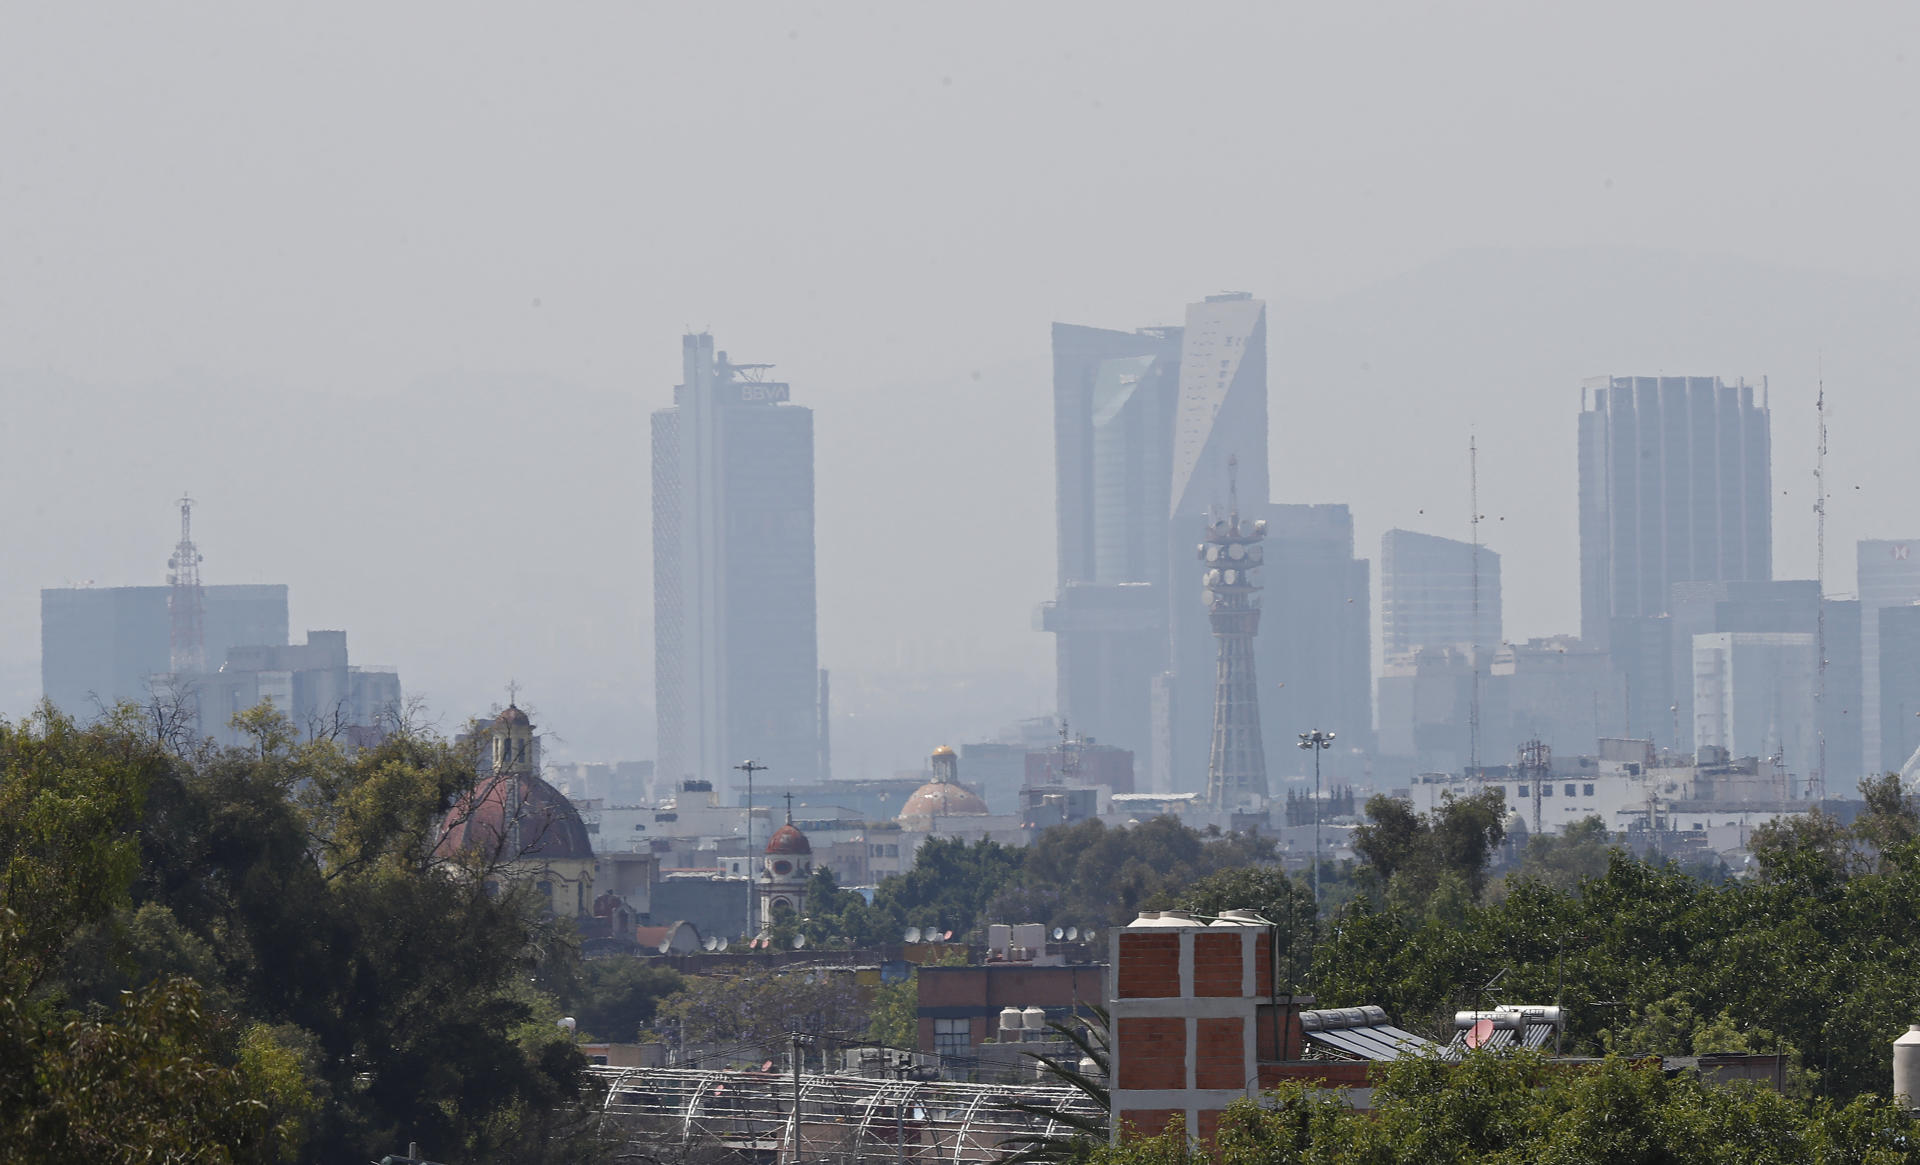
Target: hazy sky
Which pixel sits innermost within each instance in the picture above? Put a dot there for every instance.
(333, 269)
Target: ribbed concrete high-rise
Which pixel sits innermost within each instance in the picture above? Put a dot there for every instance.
(1237, 761)
(736, 657)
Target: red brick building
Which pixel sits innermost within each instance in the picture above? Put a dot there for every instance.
(1198, 1023)
(960, 1006)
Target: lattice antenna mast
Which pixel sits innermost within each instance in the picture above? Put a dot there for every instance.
(1817, 780)
(186, 605)
(1473, 522)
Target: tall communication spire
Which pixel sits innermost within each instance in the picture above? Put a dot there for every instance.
(1237, 763)
(1817, 780)
(1473, 521)
(186, 606)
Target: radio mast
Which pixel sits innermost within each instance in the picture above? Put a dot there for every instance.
(1817, 779)
(186, 604)
(1473, 521)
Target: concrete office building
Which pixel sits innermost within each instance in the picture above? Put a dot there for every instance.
(1753, 696)
(1437, 591)
(312, 684)
(1675, 486)
(1114, 394)
(103, 645)
(1889, 576)
(1899, 684)
(1315, 650)
(736, 658)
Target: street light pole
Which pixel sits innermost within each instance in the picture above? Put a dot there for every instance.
(1316, 742)
(750, 767)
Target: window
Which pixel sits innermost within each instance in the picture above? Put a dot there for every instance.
(952, 1037)
(1546, 790)
(1586, 790)
(659, 817)
(1523, 790)
(1569, 790)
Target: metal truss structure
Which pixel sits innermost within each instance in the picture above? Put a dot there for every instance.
(676, 1115)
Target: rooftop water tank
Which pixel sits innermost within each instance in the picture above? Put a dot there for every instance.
(1035, 1017)
(1009, 1019)
(1906, 1068)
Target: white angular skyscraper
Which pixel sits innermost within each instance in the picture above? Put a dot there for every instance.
(736, 657)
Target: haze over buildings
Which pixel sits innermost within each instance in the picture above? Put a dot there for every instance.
(289, 291)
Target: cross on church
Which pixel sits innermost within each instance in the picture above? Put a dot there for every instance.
(789, 797)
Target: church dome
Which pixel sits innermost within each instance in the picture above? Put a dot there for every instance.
(789, 840)
(549, 826)
(515, 717)
(943, 799)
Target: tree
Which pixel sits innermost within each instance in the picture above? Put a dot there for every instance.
(1578, 853)
(1417, 858)
(739, 1019)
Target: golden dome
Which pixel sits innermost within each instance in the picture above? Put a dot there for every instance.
(943, 750)
(943, 799)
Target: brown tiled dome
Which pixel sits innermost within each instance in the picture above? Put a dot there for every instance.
(789, 840)
(550, 827)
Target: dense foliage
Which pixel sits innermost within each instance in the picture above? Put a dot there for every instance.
(1814, 956)
(250, 955)
(1516, 1109)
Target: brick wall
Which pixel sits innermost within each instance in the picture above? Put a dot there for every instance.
(1216, 964)
(1219, 1059)
(1149, 966)
(1156, 1052)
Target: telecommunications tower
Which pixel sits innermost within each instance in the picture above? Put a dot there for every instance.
(186, 604)
(1237, 764)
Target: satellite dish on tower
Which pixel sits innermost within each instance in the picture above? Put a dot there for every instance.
(912, 935)
(799, 942)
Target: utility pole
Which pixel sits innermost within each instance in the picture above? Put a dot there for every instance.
(1316, 742)
(750, 767)
(799, 1040)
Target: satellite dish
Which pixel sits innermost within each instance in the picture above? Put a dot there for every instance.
(723, 942)
(1058, 934)
(1073, 934)
(912, 935)
(710, 943)
(1479, 1033)
(1089, 935)
(799, 942)
(947, 937)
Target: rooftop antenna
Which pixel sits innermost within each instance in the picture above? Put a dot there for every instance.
(1817, 780)
(186, 604)
(1473, 522)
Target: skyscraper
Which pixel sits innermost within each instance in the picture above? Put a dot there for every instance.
(1113, 396)
(736, 658)
(1316, 636)
(1889, 577)
(1221, 413)
(1144, 423)
(1675, 486)
(1433, 594)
